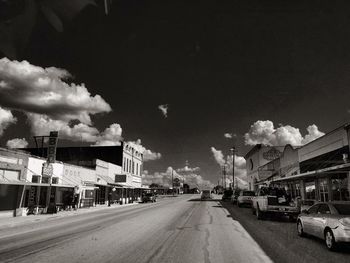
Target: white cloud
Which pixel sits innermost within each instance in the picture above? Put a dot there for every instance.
(230, 135)
(110, 136)
(17, 143)
(148, 155)
(264, 132)
(42, 125)
(240, 165)
(218, 156)
(188, 169)
(34, 89)
(6, 118)
(164, 109)
(165, 179)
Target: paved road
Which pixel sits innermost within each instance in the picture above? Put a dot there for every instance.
(180, 229)
(279, 239)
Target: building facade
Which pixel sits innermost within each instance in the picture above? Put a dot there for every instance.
(317, 171)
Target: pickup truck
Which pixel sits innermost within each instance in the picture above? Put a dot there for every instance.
(272, 200)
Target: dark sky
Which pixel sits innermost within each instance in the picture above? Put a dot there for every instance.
(220, 65)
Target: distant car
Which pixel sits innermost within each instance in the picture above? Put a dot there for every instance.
(205, 195)
(328, 220)
(149, 197)
(227, 195)
(235, 196)
(245, 198)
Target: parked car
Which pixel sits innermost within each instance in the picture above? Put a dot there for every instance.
(149, 197)
(235, 196)
(245, 198)
(328, 220)
(205, 194)
(227, 195)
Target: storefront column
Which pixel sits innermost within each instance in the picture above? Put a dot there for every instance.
(349, 182)
(302, 190)
(329, 189)
(317, 190)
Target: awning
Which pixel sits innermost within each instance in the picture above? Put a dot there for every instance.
(341, 168)
(124, 185)
(19, 182)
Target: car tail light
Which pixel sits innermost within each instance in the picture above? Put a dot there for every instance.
(345, 221)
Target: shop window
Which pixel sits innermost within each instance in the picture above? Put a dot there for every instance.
(310, 189)
(54, 180)
(36, 178)
(340, 189)
(45, 180)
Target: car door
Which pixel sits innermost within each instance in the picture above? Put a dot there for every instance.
(307, 219)
(319, 222)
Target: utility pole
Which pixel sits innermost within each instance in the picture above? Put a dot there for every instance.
(233, 150)
(172, 180)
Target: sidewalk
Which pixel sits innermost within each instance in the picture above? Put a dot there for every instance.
(8, 222)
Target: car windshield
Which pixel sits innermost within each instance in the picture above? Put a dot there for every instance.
(343, 209)
(248, 193)
(149, 194)
(228, 192)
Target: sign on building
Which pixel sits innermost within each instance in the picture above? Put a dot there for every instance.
(51, 151)
(47, 170)
(176, 182)
(120, 178)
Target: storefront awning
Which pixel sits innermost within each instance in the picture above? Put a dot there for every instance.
(341, 168)
(19, 182)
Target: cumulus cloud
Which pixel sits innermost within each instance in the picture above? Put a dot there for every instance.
(264, 132)
(42, 124)
(239, 164)
(110, 136)
(188, 169)
(165, 178)
(148, 155)
(17, 143)
(34, 89)
(164, 109)
(6, 118)
(52, 104)
(218, 156)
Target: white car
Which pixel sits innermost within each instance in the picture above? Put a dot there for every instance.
(329, 221)
(245, 198)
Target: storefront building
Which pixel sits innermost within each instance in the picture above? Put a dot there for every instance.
(317, 171)
(258, 157)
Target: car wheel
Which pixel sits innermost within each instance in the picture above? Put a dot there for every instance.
(329, 239)
(300, 229)
(259, 214)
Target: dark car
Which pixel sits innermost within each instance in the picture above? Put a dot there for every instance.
(227, 195)
(149, 197)
(235, 196)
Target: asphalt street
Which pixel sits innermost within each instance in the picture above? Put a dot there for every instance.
(278, 238)
(181, 229)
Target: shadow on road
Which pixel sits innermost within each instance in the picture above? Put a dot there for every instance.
(204, 200)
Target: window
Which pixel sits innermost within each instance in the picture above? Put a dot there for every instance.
(54, 180)
(45, 180)
(313, 209)
(36, 178)
(324, 209)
